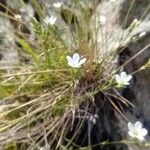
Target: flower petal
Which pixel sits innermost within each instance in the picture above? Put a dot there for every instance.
(52, 20)
(76, 66)
(73, 65)
(131, 134)
(70, 64)
(117, 77)
(96, 116)
(57, 4)
(68, 58)
(70, 61)
(76, 57)
(82, 61)
(123, 74)
(140, 137)
(130, 126)
(125, 83)
(143, 132)
(94, 121)
(129, 77)
(138, 125)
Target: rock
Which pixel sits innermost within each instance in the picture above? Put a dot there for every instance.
(131, 9)
(8, 52)
(141, 81)
(112, 32)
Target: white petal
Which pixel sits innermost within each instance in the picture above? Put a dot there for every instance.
(143, 132)
(50, 20)
(82, 61)
(140, 137)
(94, 121)
(142, 34)
(53, 20)
(76, 66)
(117, 77)
(131, 134)
(76, 57)
(91, 118)
(129, 77)
(70, 64)
(130, 126)
(125, 83)
(57, 5)
(70, 61)
(123, 74)
(96, 116)
(138, 125)
(68, 58)
(17, 16)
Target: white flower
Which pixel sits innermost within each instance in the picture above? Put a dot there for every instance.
(17, 16)
(123, 78)
(50, 20)
(75, 61)
(136, 130)
(93, 118)
(135, 20)
(57, 4)
(142, 34)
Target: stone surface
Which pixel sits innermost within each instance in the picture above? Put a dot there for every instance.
(8, 52)
(111, 33)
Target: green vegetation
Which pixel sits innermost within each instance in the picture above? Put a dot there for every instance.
(40, 97)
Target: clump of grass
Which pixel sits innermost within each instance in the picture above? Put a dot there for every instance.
(43, 98)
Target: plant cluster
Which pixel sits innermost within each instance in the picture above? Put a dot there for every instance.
(41, 99)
